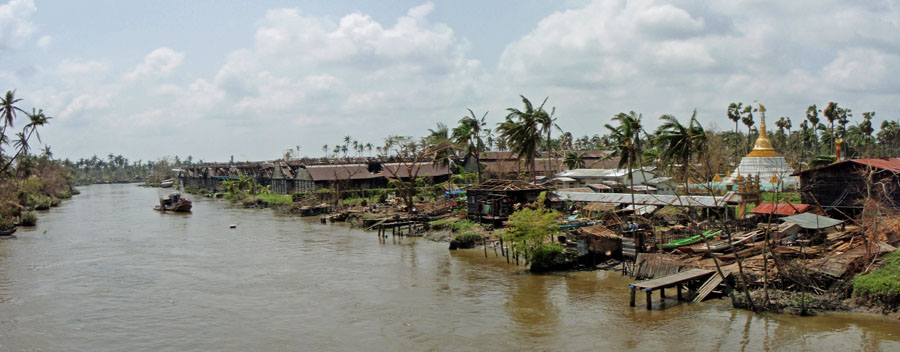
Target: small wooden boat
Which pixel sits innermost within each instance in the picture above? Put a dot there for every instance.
(167, 183)
(689, 241)
(8, 232)
(174, 203)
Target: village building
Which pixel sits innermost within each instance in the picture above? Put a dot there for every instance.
(845, 186)
(763, 161)
(494, 200)
(507, 165)
(610, 180)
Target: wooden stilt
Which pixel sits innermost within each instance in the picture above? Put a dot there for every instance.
(484, 244)
(649, 302)
(678, 289)
(633, 289)
(662, 293)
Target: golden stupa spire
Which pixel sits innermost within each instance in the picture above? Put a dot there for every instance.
(762, 148)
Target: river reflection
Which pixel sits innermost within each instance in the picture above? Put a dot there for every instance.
(104, 272)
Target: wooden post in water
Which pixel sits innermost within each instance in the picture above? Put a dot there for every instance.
(649, 304)
(678, 289)
(484, 244)
(631, 301)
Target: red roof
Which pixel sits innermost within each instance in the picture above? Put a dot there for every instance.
(780, 208)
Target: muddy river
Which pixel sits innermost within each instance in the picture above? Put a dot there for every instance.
(104, 272)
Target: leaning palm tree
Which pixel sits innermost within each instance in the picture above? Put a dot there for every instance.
(469, 133)
(680, 143)
(548, 122)
(440, 145)
(626, 144)
(522, 133)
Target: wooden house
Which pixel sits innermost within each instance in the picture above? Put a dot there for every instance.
(844, 187)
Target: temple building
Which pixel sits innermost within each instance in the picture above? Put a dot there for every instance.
(764, 162)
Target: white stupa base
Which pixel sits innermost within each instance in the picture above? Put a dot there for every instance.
(765, 167)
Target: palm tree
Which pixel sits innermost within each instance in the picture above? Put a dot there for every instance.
(812, 115)
(747, 119)
(626, 139)
(866, 128)
(574, 160)
(734, 114)
(469, 133)
(441, 146)
(521, 132)
(680, 142)
(830, 113)
(548, 122)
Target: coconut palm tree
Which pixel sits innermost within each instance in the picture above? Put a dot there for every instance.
(548, 122)
(812, 115)
(734, 114)
(866, 128)
(831, 114)
(747, 119)
(521, 132)
(681, 142)
(469, 133)
(574, 160)
(626, 144)
(441, 146)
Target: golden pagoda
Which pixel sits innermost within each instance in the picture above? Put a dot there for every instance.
(763, 161)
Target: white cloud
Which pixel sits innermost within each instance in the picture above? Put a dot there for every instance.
(159, 62)
(668, 57)
(45, 42)
(15, 23)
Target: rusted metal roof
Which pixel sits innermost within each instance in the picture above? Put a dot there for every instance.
(645, 199)
(889, 164)
(780, 209)
(506, 186)
(361, 171)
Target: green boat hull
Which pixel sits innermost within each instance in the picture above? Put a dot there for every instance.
(689, 241)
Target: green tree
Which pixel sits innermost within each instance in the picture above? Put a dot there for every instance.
(747, 119)
(574, 160)
(626, 139)
(812, 115)
(522, 133)
(469, 133)
(681, 143)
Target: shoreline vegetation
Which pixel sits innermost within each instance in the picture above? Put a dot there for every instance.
(545, 233)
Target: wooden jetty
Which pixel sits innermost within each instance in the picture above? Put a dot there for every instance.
(675, 280)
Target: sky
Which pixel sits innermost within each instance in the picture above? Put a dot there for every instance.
(249, 79)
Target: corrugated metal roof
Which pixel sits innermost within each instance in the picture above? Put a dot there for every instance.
(646, 199)
(812, 221)
(890, 164)
(780, 209)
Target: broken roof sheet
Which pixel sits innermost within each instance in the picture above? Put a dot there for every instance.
(780, 209)
(506, 186)
(645, 199)
(812, 221)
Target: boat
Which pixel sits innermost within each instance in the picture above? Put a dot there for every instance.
(8, 232)
(689, 241)
(723, 244)
(174, 202)
(167, 183)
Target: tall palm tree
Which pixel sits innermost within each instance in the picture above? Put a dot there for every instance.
(812, 115)
(831, 114)
(734, 114)
(469, 133)
(441, 146)
(747, 119)
(522, 133)
(626, 139)
(681, 142)
(866, 128)
(548, 122)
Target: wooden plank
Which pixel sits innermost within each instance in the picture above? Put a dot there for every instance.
(671, 280)
(708, 287)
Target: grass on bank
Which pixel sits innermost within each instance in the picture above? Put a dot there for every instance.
(882, 285)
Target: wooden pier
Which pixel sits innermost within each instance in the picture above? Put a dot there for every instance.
(675, 280)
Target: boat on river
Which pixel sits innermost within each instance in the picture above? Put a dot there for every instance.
(167, 183)
(8, 232)
(174, 202)
(690, 240)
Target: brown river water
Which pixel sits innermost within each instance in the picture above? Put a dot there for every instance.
(104, 272)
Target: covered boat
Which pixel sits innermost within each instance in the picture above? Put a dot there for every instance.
(174, 202)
